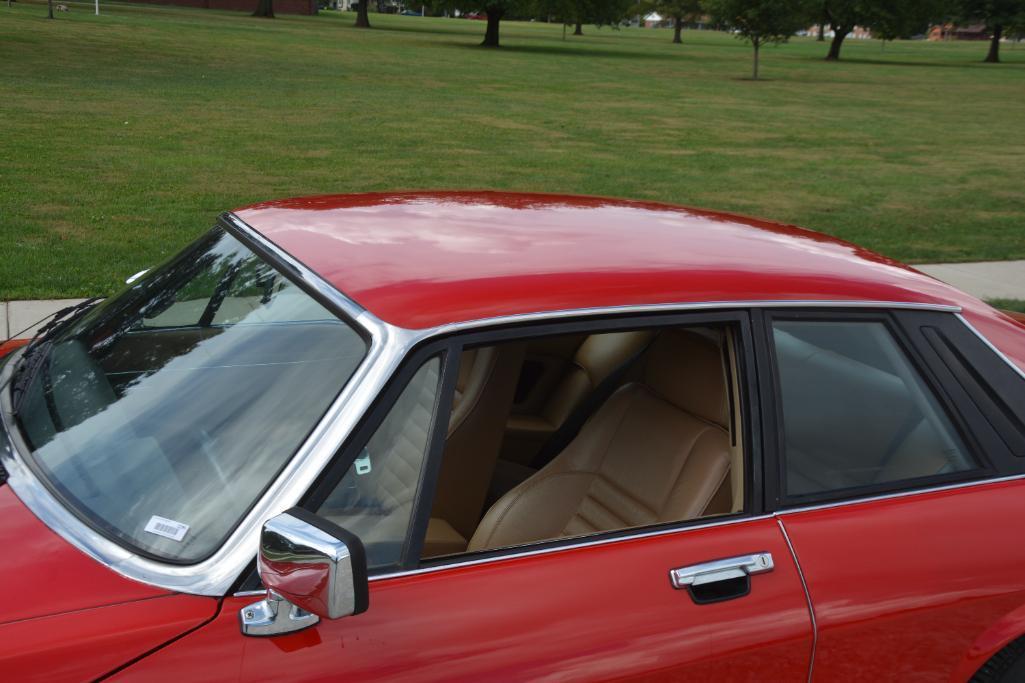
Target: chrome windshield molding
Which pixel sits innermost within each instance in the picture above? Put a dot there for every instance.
(215, 575)
(311, 279)
(990, 344)
(530, 552)
(681, 307)
(897, 494)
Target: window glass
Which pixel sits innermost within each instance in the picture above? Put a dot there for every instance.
(164, 413)
(374, 500)
(627, 429)
(855, 411)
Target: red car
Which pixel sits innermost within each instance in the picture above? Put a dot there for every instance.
(485, 436)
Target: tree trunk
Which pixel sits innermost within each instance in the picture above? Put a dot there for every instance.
(491, 34)
(822, 32)
(362, 14)
(834, 47)
(994, 45)
(755, 73)
(264, 8)
(677, 29)
(49, 9)
(578, 29)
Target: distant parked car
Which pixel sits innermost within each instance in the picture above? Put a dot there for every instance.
(475, 15)
(491, 437)
(411, 13)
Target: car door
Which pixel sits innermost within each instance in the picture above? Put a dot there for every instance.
(901, 449)
(587, 609)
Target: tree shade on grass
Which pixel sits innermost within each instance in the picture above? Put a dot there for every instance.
(162, 122)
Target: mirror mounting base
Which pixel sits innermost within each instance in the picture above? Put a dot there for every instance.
(274, 616)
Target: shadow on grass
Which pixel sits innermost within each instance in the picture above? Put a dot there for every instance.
(576, 50)
(943, 65)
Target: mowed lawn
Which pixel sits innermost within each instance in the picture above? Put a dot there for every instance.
(123, 136)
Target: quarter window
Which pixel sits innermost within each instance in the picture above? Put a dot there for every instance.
(856, 413)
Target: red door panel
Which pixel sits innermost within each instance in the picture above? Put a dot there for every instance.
(922, 587)
(591, 613)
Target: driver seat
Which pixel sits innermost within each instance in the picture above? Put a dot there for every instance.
(657, 451)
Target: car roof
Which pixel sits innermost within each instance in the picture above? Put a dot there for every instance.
(423, 259)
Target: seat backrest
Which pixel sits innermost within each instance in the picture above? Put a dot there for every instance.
(598, 357)
(658, 450)
(487, 381)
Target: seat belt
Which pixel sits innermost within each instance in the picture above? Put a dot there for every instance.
(569, 429)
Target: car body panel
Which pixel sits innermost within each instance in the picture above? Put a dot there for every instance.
(79, 646)
(914, 587)
(42, 574)
(600, 612)
(423, 259)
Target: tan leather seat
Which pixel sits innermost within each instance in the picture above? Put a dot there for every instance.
(598, 357)
(484, 394)
(658, 450)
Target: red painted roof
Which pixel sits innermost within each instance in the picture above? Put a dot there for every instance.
(424, 259)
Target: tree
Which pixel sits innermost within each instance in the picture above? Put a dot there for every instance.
(362, 14)
(49, 9)
(888, 18)
(264, 8)
(762, 21)
(997, 15)
(679, 11)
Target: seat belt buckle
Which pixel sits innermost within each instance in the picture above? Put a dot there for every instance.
(362, 463)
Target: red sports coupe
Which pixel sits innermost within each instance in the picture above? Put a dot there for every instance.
(488, 437)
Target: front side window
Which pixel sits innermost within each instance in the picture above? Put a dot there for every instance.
(375, 498)
(163, 414)
(856, 413)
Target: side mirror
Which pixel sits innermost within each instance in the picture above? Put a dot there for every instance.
(312, 569)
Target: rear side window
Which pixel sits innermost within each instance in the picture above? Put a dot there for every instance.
(856, 413)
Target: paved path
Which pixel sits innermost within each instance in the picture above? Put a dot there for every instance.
(989, 280)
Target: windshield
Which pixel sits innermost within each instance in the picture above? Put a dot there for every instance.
(163, 414)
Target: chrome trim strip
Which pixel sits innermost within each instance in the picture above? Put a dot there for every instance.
(215, 575)
(682, 307)
(898, 494)
(563, 548)
(807, 597)
(990, 344)
(311, 279)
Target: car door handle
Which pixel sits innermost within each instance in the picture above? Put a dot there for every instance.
(720, 579)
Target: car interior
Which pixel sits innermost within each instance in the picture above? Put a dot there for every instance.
(578, 434)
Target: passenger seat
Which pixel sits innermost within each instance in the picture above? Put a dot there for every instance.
(657, 451)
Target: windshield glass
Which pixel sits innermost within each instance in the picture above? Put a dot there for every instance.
(163, 414)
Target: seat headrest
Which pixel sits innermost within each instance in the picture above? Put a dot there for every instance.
(686, 369)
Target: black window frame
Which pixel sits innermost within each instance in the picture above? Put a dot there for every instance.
(452, 346)
(962, 421)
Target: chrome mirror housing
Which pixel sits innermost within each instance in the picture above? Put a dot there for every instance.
(312, 569)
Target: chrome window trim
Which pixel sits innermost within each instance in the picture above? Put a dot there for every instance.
(990, 344)
(584, 543)
(520, 318)
(389, 345)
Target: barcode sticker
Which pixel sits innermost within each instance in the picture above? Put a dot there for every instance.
(168, 528)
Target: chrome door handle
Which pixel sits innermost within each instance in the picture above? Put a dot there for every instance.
(720, 570)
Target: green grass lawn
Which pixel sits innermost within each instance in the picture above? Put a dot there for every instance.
(125, 135)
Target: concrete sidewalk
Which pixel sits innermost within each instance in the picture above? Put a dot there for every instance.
(987, 280)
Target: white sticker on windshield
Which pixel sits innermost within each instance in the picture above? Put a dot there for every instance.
(168, 528)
